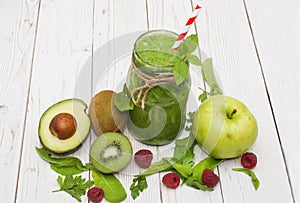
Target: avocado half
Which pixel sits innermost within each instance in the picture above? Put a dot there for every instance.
(74, 108)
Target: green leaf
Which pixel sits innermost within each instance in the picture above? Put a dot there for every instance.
(184, 170)
(189, 45)
(180, 71)
(250, 173)
(203, 96)
(157, 167)
(112, 187)
(184, 150)
(193, 59)
(209, 77)
(139, 185)
(194, 183)
(122, 100)
(63, 165)
(75, 186)
(207, 163)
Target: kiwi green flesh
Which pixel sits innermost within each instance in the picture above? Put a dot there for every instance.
(111, 152)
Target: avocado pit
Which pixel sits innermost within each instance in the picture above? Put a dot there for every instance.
(63, 126)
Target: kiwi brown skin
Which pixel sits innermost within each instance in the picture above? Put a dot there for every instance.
(105, 116)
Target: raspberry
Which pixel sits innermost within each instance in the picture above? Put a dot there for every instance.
(95, 194)
(209, 178)
(143, 158)
(249, 160)
(171, 180)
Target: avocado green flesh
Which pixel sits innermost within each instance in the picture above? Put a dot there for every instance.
(76, 108)
(113, 161)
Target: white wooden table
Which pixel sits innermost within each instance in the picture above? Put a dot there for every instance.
(45, 45)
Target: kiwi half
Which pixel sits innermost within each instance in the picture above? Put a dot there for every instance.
(111, 152)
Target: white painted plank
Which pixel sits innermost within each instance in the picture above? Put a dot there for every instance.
(225, 35)
(117, 25)
(172, 15)
(64, 43)
(276, 29)
(17, 34)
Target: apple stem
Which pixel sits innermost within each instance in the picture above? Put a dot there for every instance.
(232, 113)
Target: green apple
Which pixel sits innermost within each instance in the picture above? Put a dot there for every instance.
(224, 127)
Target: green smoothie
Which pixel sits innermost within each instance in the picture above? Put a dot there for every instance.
(163, 117)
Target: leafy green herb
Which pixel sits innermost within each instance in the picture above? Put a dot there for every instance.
(196, 184)
(250, 173)
(157, 167)
(189, 45)
(62, 165)
(209, 77)
(112, 187)
(75, 186)
(193, 59)
(139, 184)
(122, 100)
(184, 170)
(184, 150)
(207, 163)
(180, 71)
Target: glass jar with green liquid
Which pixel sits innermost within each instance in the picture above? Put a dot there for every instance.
(159, 112)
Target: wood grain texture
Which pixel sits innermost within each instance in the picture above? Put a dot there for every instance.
(117, 26)
(172, 15)
(276, 33)
(64, 43)
(225, 35)
(17, 35)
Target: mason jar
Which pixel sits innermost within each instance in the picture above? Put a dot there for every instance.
(159, 112)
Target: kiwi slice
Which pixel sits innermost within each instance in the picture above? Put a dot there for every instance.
(111, 152)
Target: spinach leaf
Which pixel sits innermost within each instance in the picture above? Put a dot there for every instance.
(112, 187)
(122, 100)
(250, 173)
(139, 184)
(157, 167)
(196, 184)
(76, 187)
(63, 165)
(207, 163)
(184, 150)
(184, 170)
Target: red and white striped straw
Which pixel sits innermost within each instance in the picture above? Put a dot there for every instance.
(187, 27)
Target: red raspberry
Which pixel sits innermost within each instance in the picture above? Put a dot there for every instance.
(249, 160)
(209, 178)
(143, 158)
(171, 180)
(95, 194)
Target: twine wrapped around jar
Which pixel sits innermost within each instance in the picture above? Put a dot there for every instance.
(150, 82)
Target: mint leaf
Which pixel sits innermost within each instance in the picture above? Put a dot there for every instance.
(75, 186)
(180, 71)
(139, 185)
(202, 97)
(209, 77)
(250, 173)
(112, 187)
(193, 59)
(63, 165)
(189, 45)
(122, 100)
